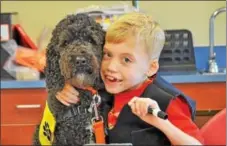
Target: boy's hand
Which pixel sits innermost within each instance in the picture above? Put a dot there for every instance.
(139, 107)
(68, 95)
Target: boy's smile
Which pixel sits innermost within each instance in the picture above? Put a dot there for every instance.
(124, 65)
(112, 81)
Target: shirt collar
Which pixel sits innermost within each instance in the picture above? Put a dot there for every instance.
(123, 98)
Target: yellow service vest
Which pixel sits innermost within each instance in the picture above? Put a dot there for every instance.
(47, 127)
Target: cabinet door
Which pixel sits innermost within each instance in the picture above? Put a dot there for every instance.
(17, 134)
(22, 106)
(208, 96)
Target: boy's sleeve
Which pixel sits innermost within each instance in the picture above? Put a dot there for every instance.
(179, 115)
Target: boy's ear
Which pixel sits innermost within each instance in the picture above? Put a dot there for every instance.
(153, 68)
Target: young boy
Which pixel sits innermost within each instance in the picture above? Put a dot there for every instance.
(129, 71)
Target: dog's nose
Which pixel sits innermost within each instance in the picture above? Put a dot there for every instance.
(80, 60)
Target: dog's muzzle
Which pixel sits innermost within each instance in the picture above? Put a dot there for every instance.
(81, 64)
(80, 60)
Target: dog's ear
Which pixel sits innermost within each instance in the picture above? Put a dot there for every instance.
(54, 79)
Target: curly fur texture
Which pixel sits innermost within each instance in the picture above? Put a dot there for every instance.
(74, 56)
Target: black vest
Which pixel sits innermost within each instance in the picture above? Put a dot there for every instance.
(130, 128)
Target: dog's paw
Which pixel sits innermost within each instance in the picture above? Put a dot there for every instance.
(46, 131)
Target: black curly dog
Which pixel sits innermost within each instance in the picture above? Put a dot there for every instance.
(74, 56)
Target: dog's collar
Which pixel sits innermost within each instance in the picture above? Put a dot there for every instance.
(95, 103)
(92, 90)
(96, 97)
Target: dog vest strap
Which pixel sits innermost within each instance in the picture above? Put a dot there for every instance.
(47, 127)
(98, 129)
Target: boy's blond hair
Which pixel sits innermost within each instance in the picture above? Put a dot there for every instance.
(141, 26)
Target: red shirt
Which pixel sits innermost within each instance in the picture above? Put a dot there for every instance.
(178, 111)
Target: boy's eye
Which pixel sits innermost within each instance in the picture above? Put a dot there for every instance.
(127, 60)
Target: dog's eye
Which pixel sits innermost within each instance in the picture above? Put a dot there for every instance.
(65, 43)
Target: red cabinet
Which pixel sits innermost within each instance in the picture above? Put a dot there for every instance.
(21, 111)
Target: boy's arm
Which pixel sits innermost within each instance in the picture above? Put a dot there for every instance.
(177, 136)
(182, 119)
(179, 128)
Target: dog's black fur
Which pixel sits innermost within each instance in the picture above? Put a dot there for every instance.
(74, 56)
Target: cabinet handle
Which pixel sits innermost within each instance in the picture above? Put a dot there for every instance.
(28, 106)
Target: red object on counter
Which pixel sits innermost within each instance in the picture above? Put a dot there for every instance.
(22, 37)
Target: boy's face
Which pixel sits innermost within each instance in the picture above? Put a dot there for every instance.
(124, 65)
